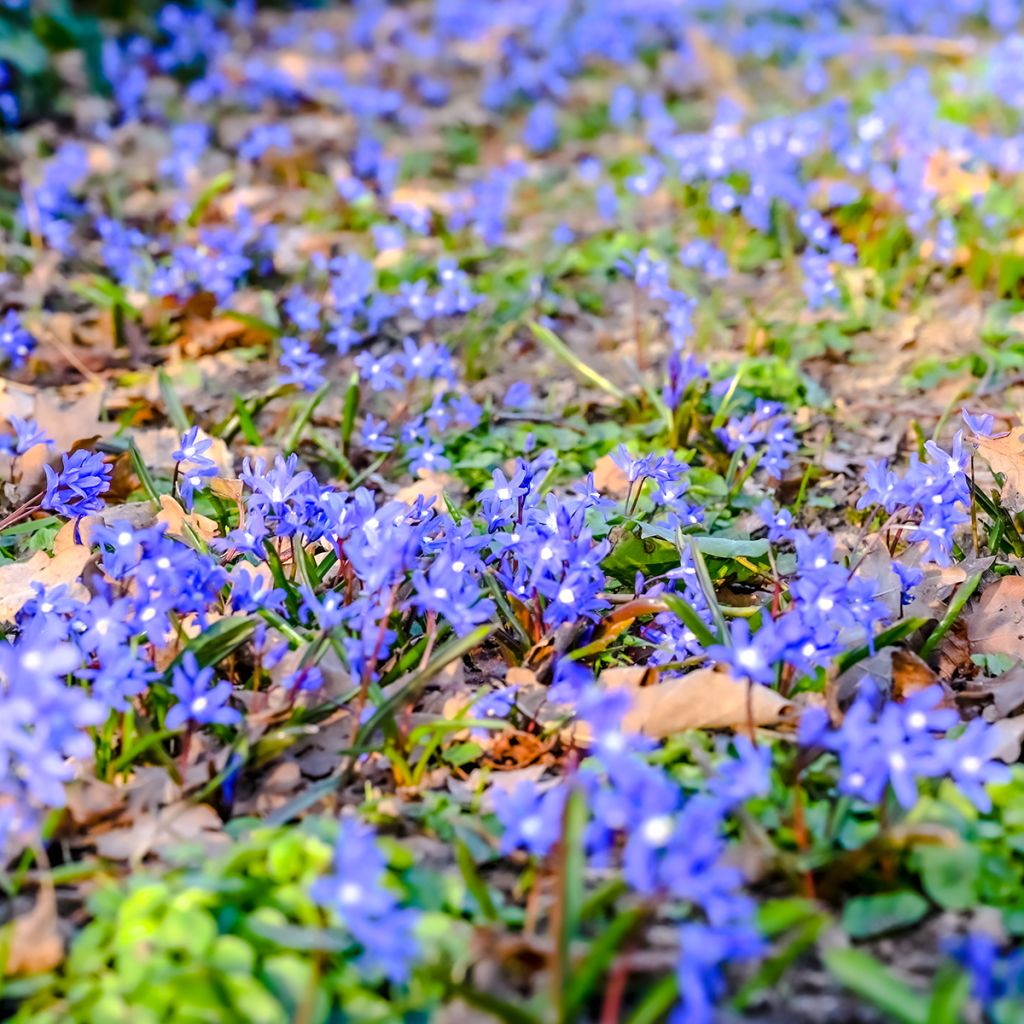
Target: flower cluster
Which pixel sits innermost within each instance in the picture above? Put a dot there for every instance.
(933, 492)
(886, 745)
(669, 846)
(358, 893)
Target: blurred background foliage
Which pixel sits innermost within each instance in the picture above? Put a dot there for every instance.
(37, 35)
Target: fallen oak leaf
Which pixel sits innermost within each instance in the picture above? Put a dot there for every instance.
(180, 523)
(703, 699)
(910, 674)
(35, 942)
(17, 578)
(1011, 734)
(1005, 455)
(996, 624)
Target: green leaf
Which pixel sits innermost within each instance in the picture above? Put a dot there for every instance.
(863, 974)
(474, 883)
(949, 874)
(865, 916)
(215, 643)
(650, 555)
(730, 547)
(349, 410)
(888, 637)
(245, 420)
(950, 991)
(571, 874)
(599, 958)
(554, 344)
(221, 183)
(143, 473)
(462, 753)
(305, 415)
(510, 1013)
(692, 620)
(172, 404)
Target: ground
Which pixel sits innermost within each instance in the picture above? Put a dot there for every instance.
(513, 512)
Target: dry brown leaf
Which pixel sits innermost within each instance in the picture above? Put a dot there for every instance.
(1007, 692)
(946, 176)
(1011, 734)
(36, 945)
(1006, 455)
(609, 479)
(704, 699)
(157, 445)
(69, 419)
(996, 624)
(955, 653)
(227, 487)
(177, 519)
(153, 833)
(17, 578)
(429, 485)
(909, 674)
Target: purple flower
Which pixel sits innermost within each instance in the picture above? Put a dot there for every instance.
(531, 818)
(540, 132)
(27, 434)
(373, 436)
(198, 701)
(980, 425)
(75, 491)
(427, 456)
(192, 447)
(264, 137)
(357, 893)
(16, 344)
(750, 657)
(973, 765)
(517, 396)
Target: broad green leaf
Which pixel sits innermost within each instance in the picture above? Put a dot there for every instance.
(865, 916)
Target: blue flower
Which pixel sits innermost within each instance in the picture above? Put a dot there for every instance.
(16, 344)
(198, 701)
(357, 892)
(973, 765)
(531, 818)
(750, 657)
(75, 491)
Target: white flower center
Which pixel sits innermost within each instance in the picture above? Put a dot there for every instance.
(748, 657)
(531, 827)
(657, 831)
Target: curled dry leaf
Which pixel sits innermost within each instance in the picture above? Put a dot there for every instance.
(609, 479)
(1011, 735)
(996, 624)
(703, 699)
(171, 826)
(909, 674)
(16, 579)
(177, 519)
(35, 942)
(1006, 455)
